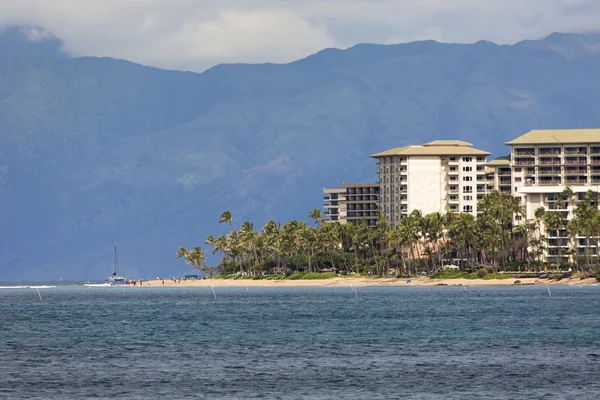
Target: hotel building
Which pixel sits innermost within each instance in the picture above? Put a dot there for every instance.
(352, 203)
(451, 175)
(439, 176)
(544, 163)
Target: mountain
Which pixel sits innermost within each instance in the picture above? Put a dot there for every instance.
(96, 150)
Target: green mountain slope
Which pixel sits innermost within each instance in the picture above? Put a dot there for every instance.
(94, 150)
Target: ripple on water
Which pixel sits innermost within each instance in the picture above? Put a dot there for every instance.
(307, 343)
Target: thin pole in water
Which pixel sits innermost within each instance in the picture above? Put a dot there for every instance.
(548, 287)
(464, 287)
(122, 289)
(213, 289)
(247, 289)
(38, 290)
(354, 290)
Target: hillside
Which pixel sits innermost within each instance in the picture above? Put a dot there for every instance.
(94, 150)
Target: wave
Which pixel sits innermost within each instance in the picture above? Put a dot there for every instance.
(27, 287)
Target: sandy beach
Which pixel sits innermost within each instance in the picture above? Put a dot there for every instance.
(420, 281)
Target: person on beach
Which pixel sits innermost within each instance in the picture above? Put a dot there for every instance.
(163, 281)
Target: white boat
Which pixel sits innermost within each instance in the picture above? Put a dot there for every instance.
(115, 278)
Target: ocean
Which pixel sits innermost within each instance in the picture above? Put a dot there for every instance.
(300, 343)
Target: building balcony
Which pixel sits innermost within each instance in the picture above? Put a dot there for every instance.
(575, 171)
(553, 182)
(549, 162)
(524, 152)
(549, 172)
(578, 161)
(504, 173)
(549, 153)
(576, 182)
(524, 161)
(576, 152)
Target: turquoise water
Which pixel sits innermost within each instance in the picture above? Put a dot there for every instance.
(301, 343)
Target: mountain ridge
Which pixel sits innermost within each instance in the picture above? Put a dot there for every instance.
(94, 150)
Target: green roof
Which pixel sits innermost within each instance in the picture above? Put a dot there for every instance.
(558, 136)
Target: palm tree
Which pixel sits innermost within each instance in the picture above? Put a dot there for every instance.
(315, 215)
(226, 218)
(196, 258)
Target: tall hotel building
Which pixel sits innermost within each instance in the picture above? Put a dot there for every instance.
(439, 176)
(451, 175)
(544, 163)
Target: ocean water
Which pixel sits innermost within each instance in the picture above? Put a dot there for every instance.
(300, 343)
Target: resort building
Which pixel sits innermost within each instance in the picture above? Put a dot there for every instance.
(544, 163)
(499, 175)
(335, 210)
(352, 203)
(439, 176)
(452, 176)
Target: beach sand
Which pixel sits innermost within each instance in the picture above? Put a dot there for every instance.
(420, 281)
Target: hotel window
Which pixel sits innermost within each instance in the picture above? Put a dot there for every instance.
(467, 169)
(517, 169)
(467, 159)
(517, 179)
(467, 189)
(467, 178)
(452, 158)
(480, 159)
(467, 208)
(467, 198)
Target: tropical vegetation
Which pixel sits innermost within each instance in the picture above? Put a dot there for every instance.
(499, 238)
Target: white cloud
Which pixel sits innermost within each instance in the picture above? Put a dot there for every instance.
(195, 34)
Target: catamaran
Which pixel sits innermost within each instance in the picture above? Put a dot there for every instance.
(115, 278)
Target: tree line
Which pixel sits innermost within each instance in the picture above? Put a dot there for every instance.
(500, 236)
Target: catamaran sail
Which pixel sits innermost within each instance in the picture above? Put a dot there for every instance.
(115, 277)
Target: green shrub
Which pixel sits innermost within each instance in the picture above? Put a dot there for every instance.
(450, 274)
(312, 275)
(598, 277)
(497, 276)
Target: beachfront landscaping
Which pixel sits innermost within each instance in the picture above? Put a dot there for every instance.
(491, 246)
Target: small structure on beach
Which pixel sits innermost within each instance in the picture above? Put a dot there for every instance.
(450, 267)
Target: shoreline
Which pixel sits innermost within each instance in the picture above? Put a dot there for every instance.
(417, 282)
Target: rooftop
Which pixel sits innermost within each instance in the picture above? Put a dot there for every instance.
(500, 161)
(558, 136)
(449, 143)
(435, 148)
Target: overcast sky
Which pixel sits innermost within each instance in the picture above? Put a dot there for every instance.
(196, 34)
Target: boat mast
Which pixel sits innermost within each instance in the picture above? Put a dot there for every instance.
(116, 261)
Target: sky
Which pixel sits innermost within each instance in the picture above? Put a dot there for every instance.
(197, 34)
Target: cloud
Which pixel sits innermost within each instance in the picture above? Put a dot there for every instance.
(196, 34)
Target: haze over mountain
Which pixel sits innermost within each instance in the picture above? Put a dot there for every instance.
(96, 150)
